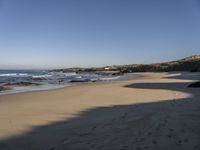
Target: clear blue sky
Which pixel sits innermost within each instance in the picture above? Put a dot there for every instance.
(69, 33)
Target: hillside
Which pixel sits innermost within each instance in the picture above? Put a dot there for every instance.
(191, 63)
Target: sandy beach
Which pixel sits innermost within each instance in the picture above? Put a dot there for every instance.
(155, 111)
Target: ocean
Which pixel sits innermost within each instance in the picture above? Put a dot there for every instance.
(36, 80)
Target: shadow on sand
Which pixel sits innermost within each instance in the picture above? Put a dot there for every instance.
(185, 75)
(173, 124)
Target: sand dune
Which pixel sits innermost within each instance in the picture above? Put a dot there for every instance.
(155, 111)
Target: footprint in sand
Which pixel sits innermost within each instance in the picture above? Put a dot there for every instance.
(179, 142)
(186, 140)
(169, 136)
(149, 133)
(154, 142)
(182, 130)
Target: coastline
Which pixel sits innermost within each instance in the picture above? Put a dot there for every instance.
(115, 111)
(127, 76)
(45, 87)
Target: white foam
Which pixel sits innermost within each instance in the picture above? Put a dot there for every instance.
(8, 74)
(109, 78)
(22, 74)
(13, 74)
(70, 74)
(42, 76)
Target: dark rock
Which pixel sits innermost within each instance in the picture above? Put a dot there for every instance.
(80, 80)
(194, 85)
(2, 88)
(21, 84)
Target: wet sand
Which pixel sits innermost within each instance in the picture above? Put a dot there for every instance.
(155, 111)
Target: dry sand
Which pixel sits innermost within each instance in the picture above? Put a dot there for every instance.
(156, 111)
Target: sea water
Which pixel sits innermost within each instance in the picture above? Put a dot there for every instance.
(44, 79)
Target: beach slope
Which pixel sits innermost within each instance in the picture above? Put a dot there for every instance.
(155, 111)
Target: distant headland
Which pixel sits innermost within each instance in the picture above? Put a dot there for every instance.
(191, 63)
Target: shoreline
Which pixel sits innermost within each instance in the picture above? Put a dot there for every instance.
(125, 77)
(38, 88)
(48, 88)
(120, 112)
(12, 81)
